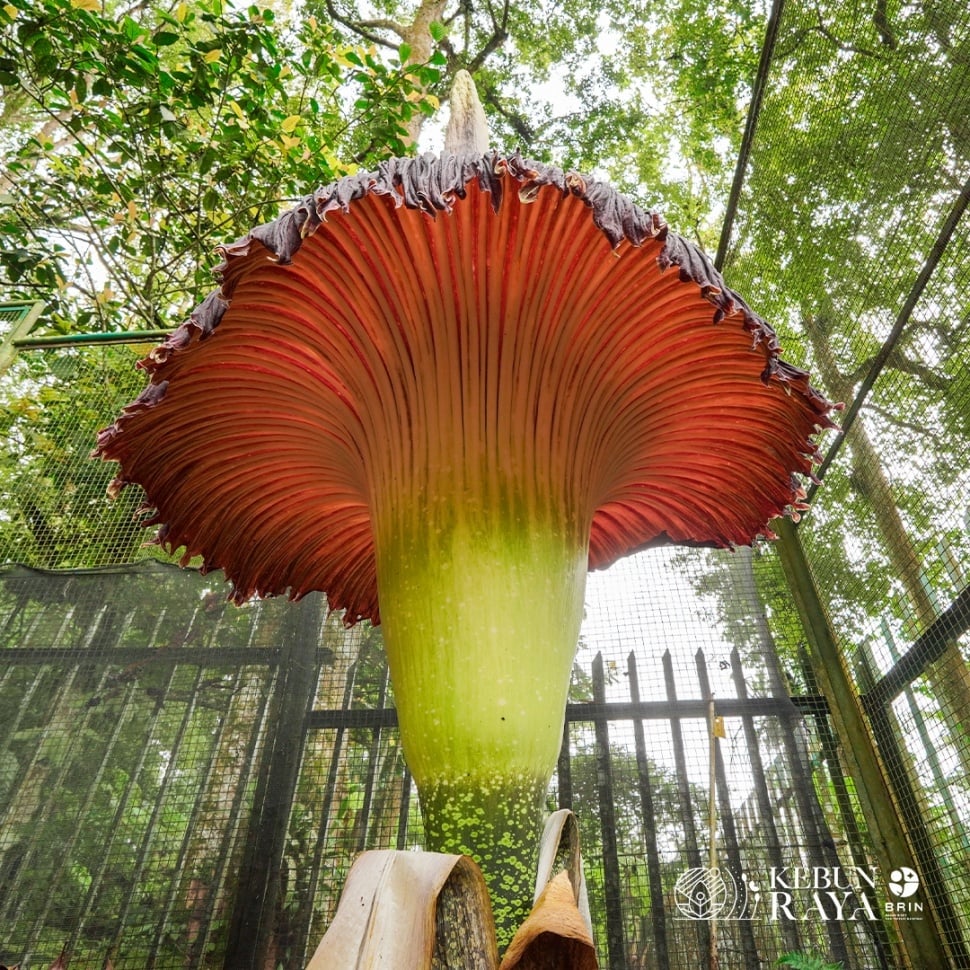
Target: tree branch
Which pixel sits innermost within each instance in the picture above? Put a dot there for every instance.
(497, 38)
(894, 419)
(841, 44)
(519, 125)
(383, 24)
(897, 360)
(361, 28)
(881, 19)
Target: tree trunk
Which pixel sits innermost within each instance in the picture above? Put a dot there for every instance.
(417, 35)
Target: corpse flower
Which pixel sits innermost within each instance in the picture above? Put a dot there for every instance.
(440, 392)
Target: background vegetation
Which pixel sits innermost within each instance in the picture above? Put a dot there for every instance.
(136, 137)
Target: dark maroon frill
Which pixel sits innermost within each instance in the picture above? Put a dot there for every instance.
(432, 184)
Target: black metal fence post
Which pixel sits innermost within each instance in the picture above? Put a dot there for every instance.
(611, 866)
(748, 944)
(686, 807)
(253, 922)
(789, 928)
(657, 914)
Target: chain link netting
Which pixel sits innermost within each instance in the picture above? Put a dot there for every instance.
(144, 737)
(145, 749)
(855, 213)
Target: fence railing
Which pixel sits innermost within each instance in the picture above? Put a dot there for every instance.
(195, 781)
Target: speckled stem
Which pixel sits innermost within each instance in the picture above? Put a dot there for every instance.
(497, 820)
(481, 607)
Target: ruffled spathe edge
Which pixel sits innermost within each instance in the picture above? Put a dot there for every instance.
(434, 185)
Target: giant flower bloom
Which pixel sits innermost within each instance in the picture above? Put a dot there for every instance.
(439, 392)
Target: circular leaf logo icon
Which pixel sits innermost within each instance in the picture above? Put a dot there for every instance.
(701, 893)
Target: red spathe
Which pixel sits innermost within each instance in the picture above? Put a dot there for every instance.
(453, 329)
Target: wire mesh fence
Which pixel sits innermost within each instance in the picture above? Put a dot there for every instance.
(867, 271)
(54, 513)
(165, 802)
(130, 742)
(150, 776)
(193, 803)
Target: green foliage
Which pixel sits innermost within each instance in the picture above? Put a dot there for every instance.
(861, 151)
(57, 513)
(138, 141)
(807, 961)
(134, 143)
(652, 97)
(662, 94)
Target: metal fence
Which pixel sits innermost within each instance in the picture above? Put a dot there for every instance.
(186, 784)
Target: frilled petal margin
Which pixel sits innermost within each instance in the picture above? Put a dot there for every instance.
(472, 326)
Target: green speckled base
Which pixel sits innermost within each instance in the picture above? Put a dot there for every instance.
(481, 606)
(498, 822)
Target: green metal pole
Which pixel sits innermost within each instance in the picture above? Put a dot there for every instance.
(104, 337)
(23, 316)
(923, 946)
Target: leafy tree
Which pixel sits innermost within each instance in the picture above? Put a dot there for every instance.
(136, 138)
(140, 137)
(651, 97)
(861, 153)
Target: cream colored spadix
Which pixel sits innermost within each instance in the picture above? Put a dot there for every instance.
(467, 131)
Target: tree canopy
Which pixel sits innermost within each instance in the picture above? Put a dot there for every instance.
(137, 137)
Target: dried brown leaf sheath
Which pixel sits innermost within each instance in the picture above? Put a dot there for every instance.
(393, 912)
(555, 936)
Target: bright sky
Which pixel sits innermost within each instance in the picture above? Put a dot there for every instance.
(645, 604)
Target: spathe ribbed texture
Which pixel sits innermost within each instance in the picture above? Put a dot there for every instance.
(534, 327)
